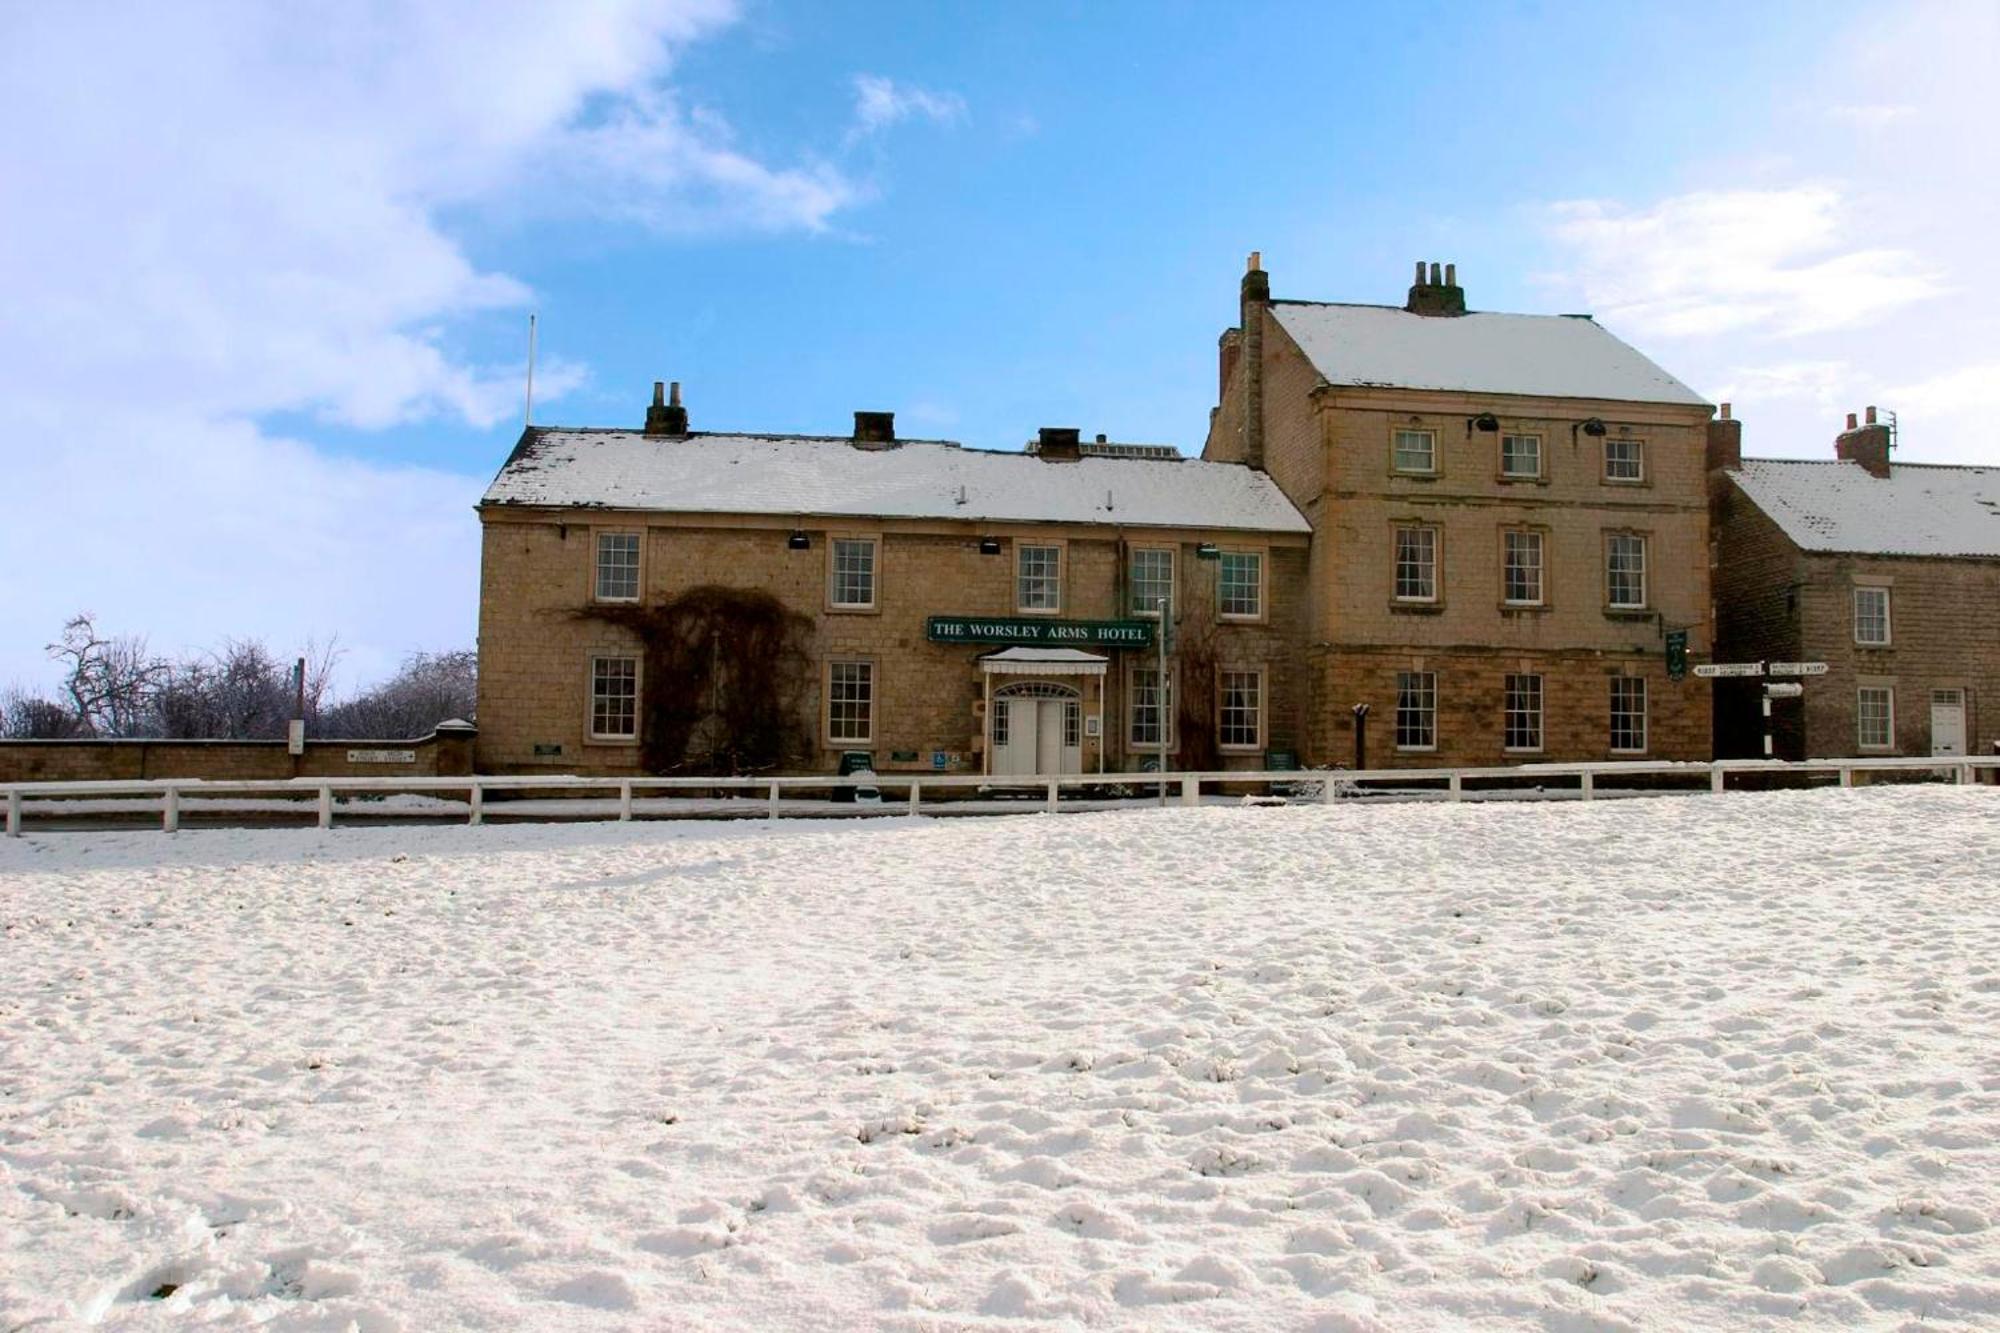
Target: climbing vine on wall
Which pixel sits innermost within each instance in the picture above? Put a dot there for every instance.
(1194, 652)
(728, 677)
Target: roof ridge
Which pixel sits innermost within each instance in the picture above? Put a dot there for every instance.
(1895, 464)
(1401, 310)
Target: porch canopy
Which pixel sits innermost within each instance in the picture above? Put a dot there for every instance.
(1043, 662)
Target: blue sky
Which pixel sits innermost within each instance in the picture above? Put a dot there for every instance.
(272, 270)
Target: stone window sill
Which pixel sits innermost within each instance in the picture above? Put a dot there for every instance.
(1416, 608)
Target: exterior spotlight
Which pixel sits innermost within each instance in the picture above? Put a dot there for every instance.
(1207, 551)
(1485, 422)
(798, 541)
(1593, 428)
(989, 546)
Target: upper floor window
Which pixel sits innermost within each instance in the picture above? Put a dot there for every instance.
(1625, 570)
(853, 572)
(1416, 564)
(1624, 460)
(1038, 581)
(617, 567)
(1521, 457)
(1871, 616)
(1152, 581)
(1628, 714)
(1522, 569)
(1416, 451)
(1240, 585)
(614, 698)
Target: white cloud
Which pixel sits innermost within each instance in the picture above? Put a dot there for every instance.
(1718, 261)
(1971, 392)
(220, 212)
(881, 102)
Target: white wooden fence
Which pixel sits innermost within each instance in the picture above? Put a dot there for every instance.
(1184, 788)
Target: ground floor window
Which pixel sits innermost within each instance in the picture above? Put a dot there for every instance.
(1628, 714)
(614, 698)
(1241, 724)
(850, 703)
(1524, 712)
(1416, 710)
(1875, 716)
(1150, 705)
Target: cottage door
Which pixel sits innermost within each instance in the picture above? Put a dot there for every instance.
(1948, 722)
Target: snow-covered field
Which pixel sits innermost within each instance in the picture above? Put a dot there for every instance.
(1727, 1062)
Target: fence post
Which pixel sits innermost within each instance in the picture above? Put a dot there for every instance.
(326, 807)
(1589, 786)
(1846, 776)
(624, 802)
(1052, 795)
(1965, 775)
(170, 810)
(1457, 788)
(1327, 794)
(13, 814)
(916, 797)
(1716, 773)
(1190, 790)
(773, 811)
(477, 811)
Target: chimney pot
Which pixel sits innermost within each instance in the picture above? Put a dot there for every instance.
(1852, 422)
(1725, 411)
(1451, 275)
(674, 394)
(1437, 279)
(1256, 260)
(1420, 273)
(1871, 416)
(665, 417)
(659, 391)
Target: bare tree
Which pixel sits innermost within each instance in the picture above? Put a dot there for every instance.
(110, 682)
(428, 689)
(29, 717)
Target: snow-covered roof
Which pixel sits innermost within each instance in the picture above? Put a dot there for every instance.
(1918, 509)
(1018, 661)
(829, 477)
(1544, 356)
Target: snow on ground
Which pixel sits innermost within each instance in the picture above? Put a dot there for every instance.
(1708, 1062)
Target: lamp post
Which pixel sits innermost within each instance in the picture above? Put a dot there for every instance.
(1160, 698)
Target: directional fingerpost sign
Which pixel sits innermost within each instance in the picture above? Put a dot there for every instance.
(1711, 669)
(1798, 668)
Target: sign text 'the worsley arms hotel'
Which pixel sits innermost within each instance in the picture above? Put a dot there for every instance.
(1040, 633)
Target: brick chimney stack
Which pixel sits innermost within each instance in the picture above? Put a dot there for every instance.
(1866, 444)
(665, 417)
(1256, 298)
(1725, 441)
(1439, 295)
(874, 428)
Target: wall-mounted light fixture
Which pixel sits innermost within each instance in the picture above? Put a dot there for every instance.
(798, 541)
(1593, 428)
(989, 546)
(1485, 422)
(1207, 551)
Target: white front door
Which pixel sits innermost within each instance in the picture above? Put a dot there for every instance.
(1015, 737)
(1035, 734)
(1948, 722)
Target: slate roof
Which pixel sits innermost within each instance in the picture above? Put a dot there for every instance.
(828, 477)
(1918, 509)
(1545, 356)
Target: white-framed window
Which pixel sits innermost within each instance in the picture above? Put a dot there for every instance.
(617, 567)
(1875, 717)
(1521, 567)
(1628, 714)
(1072, 723)
(1416, 710)
(1523, 721)
(1521, 457)
(1416, 564)
(851, 563)
(614, 698)
(1624, 459)
(1152, 580)
(1239, 590)
(1416, 451)
(1038, 578)
(1871, 617)
(1151, 708)
(1625, 570)
(1240, 721)
(850, 702)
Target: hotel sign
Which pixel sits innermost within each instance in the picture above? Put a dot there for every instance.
(1039, 633)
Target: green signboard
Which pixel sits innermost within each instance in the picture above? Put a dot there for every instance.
(1677, 654)
(1039, 633)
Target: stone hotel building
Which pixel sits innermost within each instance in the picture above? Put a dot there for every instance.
(1458, 538)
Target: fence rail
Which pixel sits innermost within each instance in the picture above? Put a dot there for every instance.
(1296, 784)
